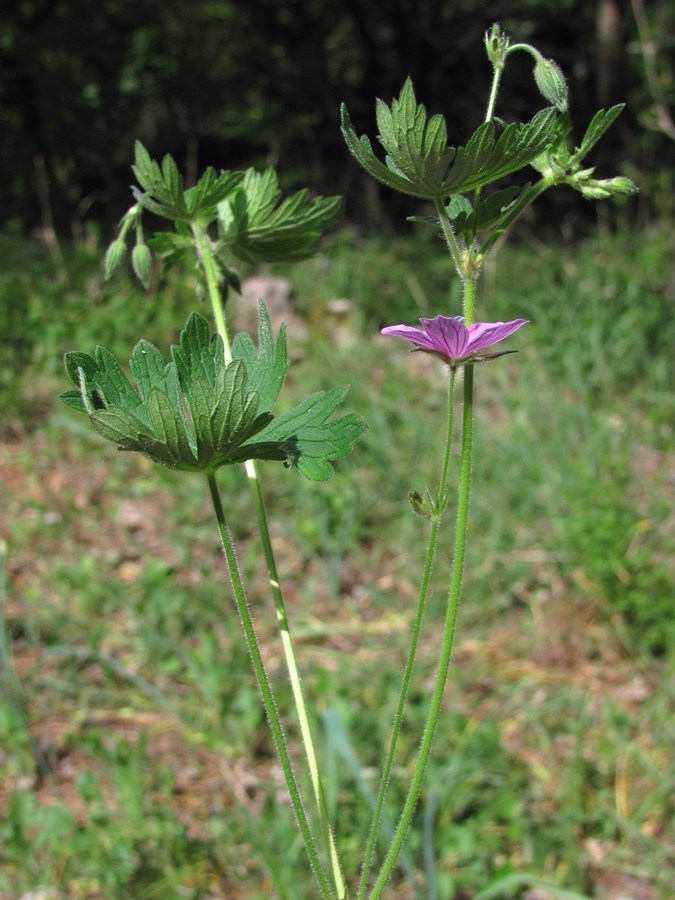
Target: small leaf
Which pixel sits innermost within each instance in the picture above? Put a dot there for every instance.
(599, 124)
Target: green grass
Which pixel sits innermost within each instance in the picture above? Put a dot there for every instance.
(134, 756)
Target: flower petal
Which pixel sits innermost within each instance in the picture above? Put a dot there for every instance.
(448, 335)
(485, 334)
(408, 333)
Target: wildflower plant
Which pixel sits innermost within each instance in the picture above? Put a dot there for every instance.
(212, 403)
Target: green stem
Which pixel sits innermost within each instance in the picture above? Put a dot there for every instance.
(441, 502)
(497, 73)
(266, 688)
(450, 620)
(296, 685)
(450, 239)
(213, 286)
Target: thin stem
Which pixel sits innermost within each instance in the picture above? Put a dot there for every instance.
(407, 673)
(213, 286)
(203, 246)
(449, 235)
(269, 701)
(469, 308)
(296, 685)
(497, 73)
(450, 622)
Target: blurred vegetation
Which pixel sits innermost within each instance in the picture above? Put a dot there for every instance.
(230, 84)
(135, 758)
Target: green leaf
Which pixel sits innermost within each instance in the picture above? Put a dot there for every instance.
(491, 208)
(419, 162)
(171, 246)
(308, 440)
(162, 189)
(362, 151)
(485, 160)
(267, 367)
(196, 413)
(258, 226)
(599, 124)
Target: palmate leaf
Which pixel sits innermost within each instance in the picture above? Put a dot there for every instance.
(419, 162)
(196, 413)
(258, 226)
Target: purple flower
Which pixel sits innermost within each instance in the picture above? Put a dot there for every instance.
(449, 338)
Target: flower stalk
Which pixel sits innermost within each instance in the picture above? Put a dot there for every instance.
(437, 512)
(214, 291)
(447, 641)
(266, 688)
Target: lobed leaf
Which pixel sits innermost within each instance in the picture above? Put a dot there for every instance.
(196, 413)
(257, 227)
(163, 193)
(419, 162)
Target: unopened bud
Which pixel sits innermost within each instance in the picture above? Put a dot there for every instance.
(114, 257)
(141, 260)
(551, 82)
(621, 185)
(421, 504)
(601, 189)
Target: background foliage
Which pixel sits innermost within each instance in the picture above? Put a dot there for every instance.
(231, 84)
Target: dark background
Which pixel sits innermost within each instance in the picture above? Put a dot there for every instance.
(260, 82)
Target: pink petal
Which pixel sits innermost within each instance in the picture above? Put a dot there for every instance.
(408, 333)
(485, 334)
(448, 334)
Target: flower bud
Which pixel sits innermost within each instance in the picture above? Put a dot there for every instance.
(496, 45)
(551, 82)
(114, 257)
(141, 260)
(621, 185)
(421, 504)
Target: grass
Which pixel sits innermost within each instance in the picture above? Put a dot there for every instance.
(135, 758)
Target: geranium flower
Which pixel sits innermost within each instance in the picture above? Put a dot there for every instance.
(449, 338)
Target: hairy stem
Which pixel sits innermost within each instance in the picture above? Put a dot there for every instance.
(407, 673)
(213, 286)
(269, 701)
(450, 620)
